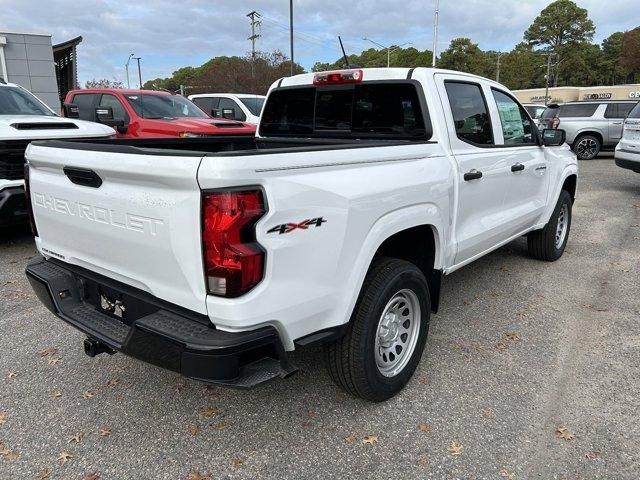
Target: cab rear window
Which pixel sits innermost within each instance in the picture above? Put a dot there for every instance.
(368, 110)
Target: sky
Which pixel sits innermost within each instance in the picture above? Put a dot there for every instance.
(173, 34)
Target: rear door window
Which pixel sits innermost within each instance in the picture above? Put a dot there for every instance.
(618, 110)
(204, 103)
(470, 113)
(635, 112)
(574, 110)
(368, 110)
(85, 103)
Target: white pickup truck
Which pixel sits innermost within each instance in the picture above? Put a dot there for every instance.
(216, 257)
(23, 118)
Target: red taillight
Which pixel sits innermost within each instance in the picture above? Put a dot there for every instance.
(555, 122)
(233, 259)
(27, 200)
(337, 78)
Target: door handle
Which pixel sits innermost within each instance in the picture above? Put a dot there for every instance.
(472, 175)
(617, 123)
(518, 167)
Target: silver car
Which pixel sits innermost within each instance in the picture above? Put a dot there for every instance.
(628, 150)
(591, 126)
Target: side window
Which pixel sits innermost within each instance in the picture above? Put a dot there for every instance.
(228, 104)
(119, 112)
(204, 103)
(578, 110)
(516, 125)
(611, 111)
(624, 109)
(84, 101)
(470, 115)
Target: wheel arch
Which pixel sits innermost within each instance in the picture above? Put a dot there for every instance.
(582, 133)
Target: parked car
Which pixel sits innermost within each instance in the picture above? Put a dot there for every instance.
(534, 109)
(148, 114)
(235, 106)
(23, 118)
(335, 226)
(628, 150)
(590, 126)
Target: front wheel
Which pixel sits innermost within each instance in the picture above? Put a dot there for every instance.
(587, 147)
(549, 243)
(387, 332)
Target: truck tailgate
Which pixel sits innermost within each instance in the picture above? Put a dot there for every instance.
(140, 226)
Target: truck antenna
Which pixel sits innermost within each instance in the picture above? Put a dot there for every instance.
(346, 59)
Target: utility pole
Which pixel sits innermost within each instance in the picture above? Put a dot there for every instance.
(546, 93)
(435, 32)
(291, 33)
(498, 69)
(139, 73)
(255, 22)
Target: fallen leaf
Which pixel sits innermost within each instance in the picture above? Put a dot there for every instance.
(221, 425)
(370, 439)
(194, 429)
(312, 414)
(180, 387)
(54, 361)
(76, 438)
(12, 375)
(112, 382)
(485, 412)
(44, 474)
(211, 390)
(64, 457)
(211, 412)
(564, 434)
(8, 454)
(512, 337)
(505, 473)
(196, 475)
(423, 461)
(56, 394)
(592, 455)
(455, 448)
(47, 352)
(424, 381)
(91, 476)
(105, 432)
(350, 438)
(88, 394)
(306, 424)
(501, 346)
(236, 462)
(3, 418)
(423, 427)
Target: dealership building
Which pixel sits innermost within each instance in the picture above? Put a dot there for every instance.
(573, 94)
(30, 60)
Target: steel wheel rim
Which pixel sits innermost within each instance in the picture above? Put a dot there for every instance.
(397, 333)
(587, 148)
(562, 225)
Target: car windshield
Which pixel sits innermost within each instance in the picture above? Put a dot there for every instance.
(17, 101)
(164, 106)
(254, 104)
(635, 113)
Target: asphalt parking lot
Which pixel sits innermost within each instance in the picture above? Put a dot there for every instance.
(532, 370)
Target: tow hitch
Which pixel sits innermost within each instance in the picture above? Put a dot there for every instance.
(93, 347)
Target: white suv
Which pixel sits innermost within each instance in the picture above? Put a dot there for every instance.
(234, 106)
(628, 150)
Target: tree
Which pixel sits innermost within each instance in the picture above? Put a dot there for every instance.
(103, 83)
(630, 52)
(371, 58)
(465, 56)
(612, 70)
(560, 24)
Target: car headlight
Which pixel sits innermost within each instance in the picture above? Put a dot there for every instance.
(190, 135)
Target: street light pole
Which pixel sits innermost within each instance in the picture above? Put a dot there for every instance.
(291, 33)
(498, 69)
(436, 16)
(139, 73)
(126, 66)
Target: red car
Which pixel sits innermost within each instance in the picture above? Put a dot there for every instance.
(148, 114)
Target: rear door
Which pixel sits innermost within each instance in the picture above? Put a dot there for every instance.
(140, 225)
(483, 169)
(615, 115)
(86, 103)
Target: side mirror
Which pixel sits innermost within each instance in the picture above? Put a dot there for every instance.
(105, 116)
(552, 137)
(70, 110)
(229, 113)
(215, 113)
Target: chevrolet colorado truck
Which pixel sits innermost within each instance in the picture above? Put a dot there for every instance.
(23, 118)
(217, 257)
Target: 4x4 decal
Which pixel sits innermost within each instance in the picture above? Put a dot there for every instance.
(303, 225)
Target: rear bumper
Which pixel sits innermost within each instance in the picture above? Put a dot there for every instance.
(155, 332)
(628, 160)
(13, 208)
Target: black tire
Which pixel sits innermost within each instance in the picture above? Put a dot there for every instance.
(351, 360)
(542, 243)
(587, 147)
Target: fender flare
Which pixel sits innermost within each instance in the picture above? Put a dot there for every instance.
(568, 171)
(385, 227)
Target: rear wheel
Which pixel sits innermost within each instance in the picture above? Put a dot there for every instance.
(549, 243)
(587, 147)
(387, 332)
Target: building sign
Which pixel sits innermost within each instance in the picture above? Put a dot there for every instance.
(634, 94)
(597, 96)
(541, 98)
